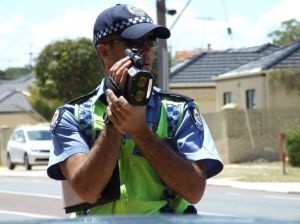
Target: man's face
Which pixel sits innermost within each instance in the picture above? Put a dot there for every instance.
(144, 46)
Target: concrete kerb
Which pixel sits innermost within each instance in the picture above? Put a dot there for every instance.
(40, 171)
(289, 187)
(37, 171)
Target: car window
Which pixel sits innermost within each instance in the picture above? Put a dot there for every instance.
(18, 136)
(39, 135)
(14, 136)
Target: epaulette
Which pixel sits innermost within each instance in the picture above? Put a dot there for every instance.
(83, 98)
(174, 96)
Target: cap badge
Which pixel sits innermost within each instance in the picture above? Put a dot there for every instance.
(135, 11)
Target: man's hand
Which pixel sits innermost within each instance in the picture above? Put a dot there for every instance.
(126, 118)
(119, 71)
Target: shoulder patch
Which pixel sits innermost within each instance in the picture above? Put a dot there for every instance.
(195, 114)
(56, 118)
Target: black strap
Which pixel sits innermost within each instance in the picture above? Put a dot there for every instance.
(190, 210)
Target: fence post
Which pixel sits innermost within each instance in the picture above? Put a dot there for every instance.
(283, 152)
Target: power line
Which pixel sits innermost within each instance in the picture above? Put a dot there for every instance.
(186, 5)
(229, 30)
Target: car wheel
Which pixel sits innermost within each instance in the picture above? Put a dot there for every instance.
(26, 162)
(10, 164)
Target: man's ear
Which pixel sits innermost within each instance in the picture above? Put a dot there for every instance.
(103, 51)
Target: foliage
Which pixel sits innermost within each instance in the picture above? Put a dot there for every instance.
(44, 107)
(16, 72)
(67, 69)
(293, 146)
(155, 65)
(290, 78)
(2, 74)
(289, 33)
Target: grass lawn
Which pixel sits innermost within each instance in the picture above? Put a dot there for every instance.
(261, 171)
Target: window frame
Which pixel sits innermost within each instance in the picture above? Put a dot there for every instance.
(250, 98)
(227, 97)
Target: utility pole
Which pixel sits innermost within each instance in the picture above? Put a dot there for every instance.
(162, 50)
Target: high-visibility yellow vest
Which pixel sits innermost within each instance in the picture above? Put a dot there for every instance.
(141, 189)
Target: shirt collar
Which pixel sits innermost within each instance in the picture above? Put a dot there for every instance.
(100, 93)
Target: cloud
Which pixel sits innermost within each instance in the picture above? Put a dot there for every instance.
(73, 24)
(11, 33)
(271, 20)
(196, 31)
(9, 25)
(20, 34)
(285, 10)
(22, 37)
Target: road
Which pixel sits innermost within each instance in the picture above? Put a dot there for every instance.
(229, 201)
(23, 198)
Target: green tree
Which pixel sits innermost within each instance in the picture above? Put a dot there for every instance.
(16, 72)
(2, 74)
(67, 69)
(155, 64)
(288, 77)
(293, 146)
(289, 33)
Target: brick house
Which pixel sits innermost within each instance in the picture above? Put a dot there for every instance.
(245, 110)
(15, 109)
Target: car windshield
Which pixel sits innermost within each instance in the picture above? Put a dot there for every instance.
(39, 135)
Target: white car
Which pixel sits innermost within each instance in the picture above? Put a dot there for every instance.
(29, 145)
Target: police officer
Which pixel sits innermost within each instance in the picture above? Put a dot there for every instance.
(159, 155)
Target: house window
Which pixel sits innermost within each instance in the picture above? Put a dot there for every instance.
(227, 98)
(250, 98)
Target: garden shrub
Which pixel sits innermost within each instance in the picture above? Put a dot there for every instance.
(293, 146)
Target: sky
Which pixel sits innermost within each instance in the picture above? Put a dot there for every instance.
(27, 26)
